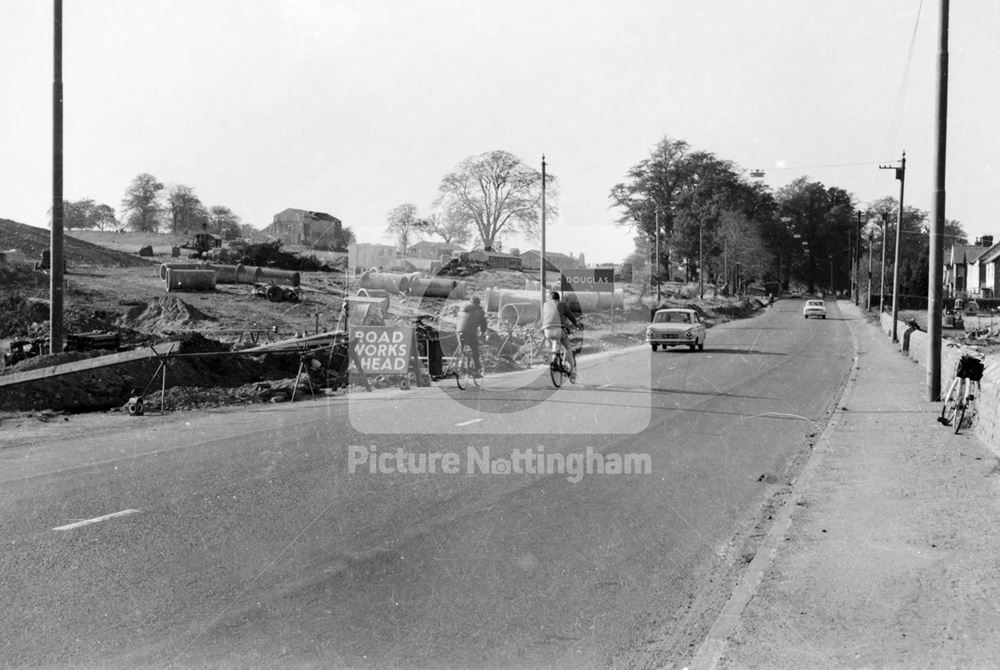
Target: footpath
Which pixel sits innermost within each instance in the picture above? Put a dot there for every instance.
(887, 553)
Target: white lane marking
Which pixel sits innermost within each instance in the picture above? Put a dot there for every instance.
(96, 519)
(469, 422)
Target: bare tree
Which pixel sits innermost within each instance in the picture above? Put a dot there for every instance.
(497, 193)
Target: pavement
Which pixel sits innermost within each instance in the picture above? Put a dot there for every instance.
(887, 551)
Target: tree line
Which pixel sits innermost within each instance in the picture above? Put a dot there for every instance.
(712, 222)
(149, 206)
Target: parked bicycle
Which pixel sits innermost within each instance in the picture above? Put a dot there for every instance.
(961, 396)
(461, 366)
(559, 369)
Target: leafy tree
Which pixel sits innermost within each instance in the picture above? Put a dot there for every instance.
(495, 193)
(819, 222)
(86, 214)
(690, 193)
(403, 223)
(224, 222)
(187, 213)
(141, 208)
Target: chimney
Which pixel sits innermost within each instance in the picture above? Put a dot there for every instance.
(986, 240)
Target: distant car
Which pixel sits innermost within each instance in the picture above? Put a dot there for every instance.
(676, 327)
(814, 308)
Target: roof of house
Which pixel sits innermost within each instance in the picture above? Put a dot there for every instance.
(429, 244)
(989, 255)
(965, 253)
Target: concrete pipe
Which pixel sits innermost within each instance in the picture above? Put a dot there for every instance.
(247, 274)
(509, 296)
(190, 280)
(373, 293)
(519, 313)
(283, 277)
(225, 274)
(438, 287)
(492, 300)
(178, 266)
(386, 281)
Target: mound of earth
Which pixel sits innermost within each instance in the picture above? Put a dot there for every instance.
(32, 241)
(163, 314)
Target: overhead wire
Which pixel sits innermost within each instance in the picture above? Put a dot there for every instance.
(895, 123)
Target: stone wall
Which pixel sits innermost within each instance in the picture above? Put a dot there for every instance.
(987, 421)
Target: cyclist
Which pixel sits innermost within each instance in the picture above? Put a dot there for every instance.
(471, 319)
(556, 319)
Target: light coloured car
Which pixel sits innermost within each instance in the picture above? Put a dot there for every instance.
(814, 308)
(676, 327)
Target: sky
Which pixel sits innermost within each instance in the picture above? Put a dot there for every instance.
(353, 108)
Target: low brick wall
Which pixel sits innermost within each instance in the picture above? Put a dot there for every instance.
(987, 420)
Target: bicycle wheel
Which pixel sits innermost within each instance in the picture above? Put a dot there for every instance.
(456, 365)
(950, 406)
(959, 416)
(556, 371)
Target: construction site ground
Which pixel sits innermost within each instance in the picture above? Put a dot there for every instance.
(109, 287)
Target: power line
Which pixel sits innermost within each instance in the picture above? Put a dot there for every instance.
(897, 113)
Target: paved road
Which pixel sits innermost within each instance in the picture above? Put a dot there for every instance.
(243, 539)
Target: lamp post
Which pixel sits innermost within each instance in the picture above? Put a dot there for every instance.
(656, 271)
(870, 256)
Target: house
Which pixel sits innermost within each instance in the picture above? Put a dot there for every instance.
(364, 256)
(306, 228)
(963, 275)
(433, 250)
(532, 260)
(989, 277)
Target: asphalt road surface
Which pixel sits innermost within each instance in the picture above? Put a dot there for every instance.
(287, 535)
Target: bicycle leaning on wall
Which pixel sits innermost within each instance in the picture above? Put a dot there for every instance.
(960, 399)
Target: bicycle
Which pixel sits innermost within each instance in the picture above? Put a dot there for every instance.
(461, 366)
(558, 369)
(961, 396)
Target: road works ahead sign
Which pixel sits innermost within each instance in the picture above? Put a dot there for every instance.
(383, 350)
(601, 280)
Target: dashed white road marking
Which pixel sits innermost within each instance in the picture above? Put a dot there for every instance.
(469, 422)
(96, 519)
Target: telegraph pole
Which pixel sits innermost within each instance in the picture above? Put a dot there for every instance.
(656, 272)
(857, 265)
(541, 275)
(937, 225)
(870, 256)
(881, 288)
(901, 176)
(56, 233)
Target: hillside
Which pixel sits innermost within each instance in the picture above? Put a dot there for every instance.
(32, 241)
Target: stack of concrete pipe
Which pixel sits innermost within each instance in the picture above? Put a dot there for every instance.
(189, 280)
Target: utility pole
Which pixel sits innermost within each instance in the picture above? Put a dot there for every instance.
(937, 225)
(881, 290)
(901, 176)
(857, 265)
(701, 260)
(870, 257)
(56, 234)
(656, 271)
(541, 275)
